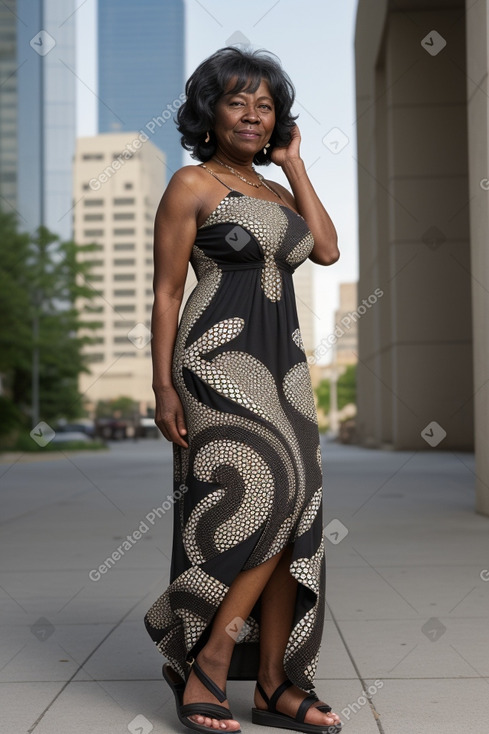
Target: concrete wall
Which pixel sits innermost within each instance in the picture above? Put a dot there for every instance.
(415, 344)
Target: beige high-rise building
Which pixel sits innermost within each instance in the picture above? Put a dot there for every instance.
(118, 181)
(346, 319)
(304, 296)
(423, 153)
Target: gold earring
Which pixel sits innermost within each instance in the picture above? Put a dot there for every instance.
(265, 148)
(207, 138)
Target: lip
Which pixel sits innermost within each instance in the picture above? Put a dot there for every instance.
(248, 134)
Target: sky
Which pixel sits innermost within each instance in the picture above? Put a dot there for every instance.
(314, 42)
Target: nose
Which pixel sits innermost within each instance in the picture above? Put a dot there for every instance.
(250, 114)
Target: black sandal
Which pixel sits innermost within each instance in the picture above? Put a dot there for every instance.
(272, 717)
(213, 710)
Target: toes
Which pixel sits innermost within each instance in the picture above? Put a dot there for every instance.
(333, 719)
(226, 724)
(329, 719)
(231, 724)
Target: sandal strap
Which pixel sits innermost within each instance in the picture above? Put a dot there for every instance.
(206, 709)
(277, 693)
(325, 708)
(262, 692)
(304, 707)
(209, 683)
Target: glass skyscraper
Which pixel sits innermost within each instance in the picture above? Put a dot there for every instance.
(141, 70)
(38, 113)
(8, 106)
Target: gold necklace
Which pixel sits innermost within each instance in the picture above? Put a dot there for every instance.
(230, 168)
(250, 183)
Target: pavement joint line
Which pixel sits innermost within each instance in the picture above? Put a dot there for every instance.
(92, 679)
(373, 709)
(158, 680)
(80, 667)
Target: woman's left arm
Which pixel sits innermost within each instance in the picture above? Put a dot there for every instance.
(306, 201)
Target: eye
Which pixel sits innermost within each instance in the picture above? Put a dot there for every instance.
(237, 103)
(266, 106)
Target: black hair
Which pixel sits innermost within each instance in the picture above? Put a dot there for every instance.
(210, 81)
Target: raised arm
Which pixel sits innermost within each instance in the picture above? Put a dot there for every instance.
(305, 200)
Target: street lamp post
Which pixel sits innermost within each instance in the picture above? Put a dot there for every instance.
(333, 397)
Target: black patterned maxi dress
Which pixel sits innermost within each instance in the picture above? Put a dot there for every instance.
(251, 475)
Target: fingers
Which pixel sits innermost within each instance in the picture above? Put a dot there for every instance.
(173, 429)
(180, 431)
(181, 424)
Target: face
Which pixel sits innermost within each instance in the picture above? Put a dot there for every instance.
(244, 121)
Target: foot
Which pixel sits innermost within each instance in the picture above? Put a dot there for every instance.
(290, 700)
(196, 692)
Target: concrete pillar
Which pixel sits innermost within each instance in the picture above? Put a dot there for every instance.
(370, 25)
(415, 343)
(478, 121)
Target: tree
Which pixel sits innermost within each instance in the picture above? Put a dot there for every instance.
(346, 390)
(347, 387)
(323, 394)
(122, 407)
(41, 279)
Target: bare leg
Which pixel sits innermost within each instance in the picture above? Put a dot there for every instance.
(277, 610)
(215, 656)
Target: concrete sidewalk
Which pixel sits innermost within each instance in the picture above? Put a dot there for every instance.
(407, 591)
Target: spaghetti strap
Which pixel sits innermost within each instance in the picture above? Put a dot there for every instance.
(202, 165)
(276, 193)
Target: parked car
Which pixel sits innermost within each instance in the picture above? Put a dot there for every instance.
(111, 429)
(67, 436)
(85, 427)
(148, 428)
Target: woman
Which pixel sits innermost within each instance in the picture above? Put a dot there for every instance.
(233, 394)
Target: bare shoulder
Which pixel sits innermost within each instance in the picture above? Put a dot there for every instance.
(284, 193)
(192, 176)
(189, 183)
(183, 191)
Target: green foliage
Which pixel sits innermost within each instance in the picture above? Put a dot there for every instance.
(323, 393)
(40, 280)
(121, 407)
(347, 387)
(12, 419)
(346, 390)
